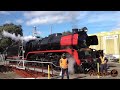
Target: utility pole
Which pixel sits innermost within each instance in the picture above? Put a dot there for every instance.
(51, 29)
(34, 31)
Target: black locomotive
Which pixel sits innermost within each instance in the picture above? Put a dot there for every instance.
(75, 45)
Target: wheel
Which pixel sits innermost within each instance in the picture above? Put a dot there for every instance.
(76, 68)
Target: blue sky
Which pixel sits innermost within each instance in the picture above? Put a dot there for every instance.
(95, 21)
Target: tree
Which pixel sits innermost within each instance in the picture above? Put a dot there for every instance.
(11, 28)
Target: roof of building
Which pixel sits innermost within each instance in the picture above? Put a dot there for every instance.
(114, 32)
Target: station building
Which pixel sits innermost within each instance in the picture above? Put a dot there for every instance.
(109, 42)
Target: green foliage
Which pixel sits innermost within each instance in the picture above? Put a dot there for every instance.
(4, 42)
(11, 28)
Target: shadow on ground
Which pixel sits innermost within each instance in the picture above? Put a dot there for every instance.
(79, 77)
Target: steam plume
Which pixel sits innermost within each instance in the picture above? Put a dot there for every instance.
(71, 64)
(17, 38)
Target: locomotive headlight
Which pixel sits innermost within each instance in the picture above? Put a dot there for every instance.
(83, 29)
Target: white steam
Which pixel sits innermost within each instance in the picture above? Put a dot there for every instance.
(17, 38)
(27, 38)
(71, 64)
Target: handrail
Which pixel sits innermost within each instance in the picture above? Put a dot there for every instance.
(35, 62)
(40, 61)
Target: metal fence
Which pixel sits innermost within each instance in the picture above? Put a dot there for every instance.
(19, 65)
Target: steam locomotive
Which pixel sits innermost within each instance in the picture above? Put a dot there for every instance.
(75, 45)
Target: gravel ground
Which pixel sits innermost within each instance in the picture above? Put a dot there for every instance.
(9, 75)
(112, 65)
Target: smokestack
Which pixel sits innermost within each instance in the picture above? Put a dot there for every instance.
(34, 31)
(75, 30)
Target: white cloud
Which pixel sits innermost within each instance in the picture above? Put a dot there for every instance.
(4, 12)
(82, 14)
(103, 16)
(39, 32)
(50, 17)
(47, 20)
(117, 27)
(8, 21)
(31, 14)
(106, 18)
(19, 21)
